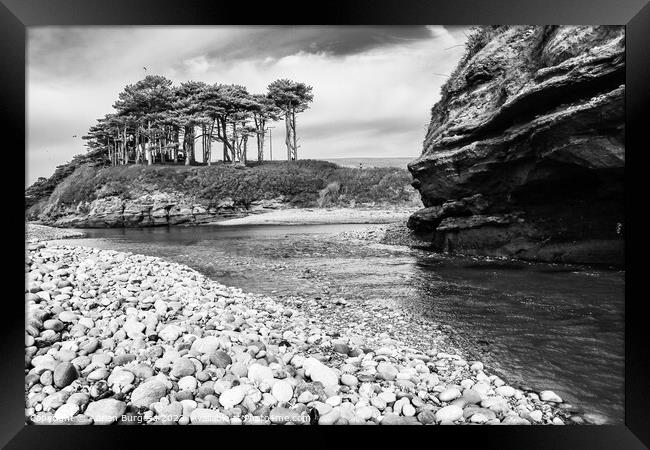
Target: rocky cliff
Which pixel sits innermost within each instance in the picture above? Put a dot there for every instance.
(149, 209)
(524, 155)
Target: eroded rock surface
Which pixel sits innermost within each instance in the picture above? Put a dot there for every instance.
(149, 210)
(524, 156)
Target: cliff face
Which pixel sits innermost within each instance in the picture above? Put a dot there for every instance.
(524, 156)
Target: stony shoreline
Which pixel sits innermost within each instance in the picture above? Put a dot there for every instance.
(35, 232)
(318, 216)
(116, 337)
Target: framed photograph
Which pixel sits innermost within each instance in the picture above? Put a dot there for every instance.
(410, 214)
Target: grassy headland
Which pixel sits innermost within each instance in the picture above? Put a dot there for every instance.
(303, 183)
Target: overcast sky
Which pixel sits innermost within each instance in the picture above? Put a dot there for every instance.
(373, 86)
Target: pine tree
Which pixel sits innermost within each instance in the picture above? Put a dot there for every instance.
(292, 98)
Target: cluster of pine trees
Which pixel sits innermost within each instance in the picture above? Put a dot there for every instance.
(157, 122)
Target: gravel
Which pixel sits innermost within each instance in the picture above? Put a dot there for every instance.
(36, 232)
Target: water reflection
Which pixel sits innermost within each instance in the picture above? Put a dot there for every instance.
(547, 326)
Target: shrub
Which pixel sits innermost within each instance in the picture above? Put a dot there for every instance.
(329, 194)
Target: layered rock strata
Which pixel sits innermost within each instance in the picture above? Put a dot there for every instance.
(524, 155)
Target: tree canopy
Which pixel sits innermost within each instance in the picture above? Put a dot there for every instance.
(159, 122)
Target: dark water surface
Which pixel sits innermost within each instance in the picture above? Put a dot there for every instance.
(540, 326)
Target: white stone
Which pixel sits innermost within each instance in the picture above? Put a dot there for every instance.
(349, 380)
(334, 400)
(549, 396)
(260, 373)
(66, 412)
(134, 329)
(233, 396)
(365, 412)
(478, 418)
(207, 344)
(482, 388)
(505, 391)
(449, 413)
(306, 397)
(170, 333)
(105, 411)
(87, 322)
(67, 316)
(388, 397)
(188, 406)
(318, 371)
(496, 404)
(282, 391)
(120, 378)
(408, 410)
(449, 394)
(187, 383)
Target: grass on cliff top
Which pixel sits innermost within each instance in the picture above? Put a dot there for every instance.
(299, 182)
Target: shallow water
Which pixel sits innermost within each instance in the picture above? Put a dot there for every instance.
(540, 326)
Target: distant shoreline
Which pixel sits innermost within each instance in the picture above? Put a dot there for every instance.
(321, 216)
(352, 162)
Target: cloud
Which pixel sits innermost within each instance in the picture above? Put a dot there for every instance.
(373, 86)
(197, 64)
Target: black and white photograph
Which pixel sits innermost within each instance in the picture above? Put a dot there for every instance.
(325, 225)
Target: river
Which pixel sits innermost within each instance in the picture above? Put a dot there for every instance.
(540, 326)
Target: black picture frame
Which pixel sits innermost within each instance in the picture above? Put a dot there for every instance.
(16, 15)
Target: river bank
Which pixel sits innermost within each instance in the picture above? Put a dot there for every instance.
(310, 216)
(111, 333)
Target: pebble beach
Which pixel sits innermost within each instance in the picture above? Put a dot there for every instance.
(115, 337)
(35, 232)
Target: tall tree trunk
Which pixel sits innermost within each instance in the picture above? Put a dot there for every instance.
(175, 150)
(147, 147)
(224, 138)
(260, 127)
(203, 142)
(260, 147)
(125, 158)
(192, 153)
(244, 151)
(210, 131)
(116, 147)
(188, 145)
(295, 138)
(162, 145)
(288, 139)
(137, 146)
(234, 142)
